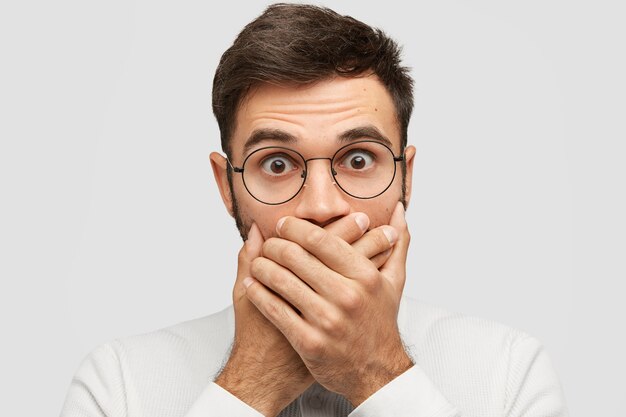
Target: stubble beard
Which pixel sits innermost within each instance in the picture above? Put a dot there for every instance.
(243, 224)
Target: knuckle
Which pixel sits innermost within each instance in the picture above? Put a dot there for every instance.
(275, 312)
(276, 280)
(256, 266)
(298, 291)
(267, 246)
(370, 278)
(312, 346)
(291, 254)
(351, 300)
(316, 237)
(331, 323)
(271, 310)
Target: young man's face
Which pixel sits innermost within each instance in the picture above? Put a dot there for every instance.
(312, 120)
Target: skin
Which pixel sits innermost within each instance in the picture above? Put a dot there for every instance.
(338, 260)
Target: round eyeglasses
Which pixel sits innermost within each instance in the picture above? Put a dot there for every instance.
(275, 174)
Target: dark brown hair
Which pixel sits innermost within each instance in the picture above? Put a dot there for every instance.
(302, 44)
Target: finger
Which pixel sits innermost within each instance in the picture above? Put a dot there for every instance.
(275, 309)
(288, 286)
(380, 259)
(250, 250)
(376, 241)
(334, 252)
(304, 266)
(395, 268)
(350, 227)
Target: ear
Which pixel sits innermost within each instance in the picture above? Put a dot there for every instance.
(409, 157)
(219, 166)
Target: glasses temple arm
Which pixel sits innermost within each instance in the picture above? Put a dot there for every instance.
(234, 168)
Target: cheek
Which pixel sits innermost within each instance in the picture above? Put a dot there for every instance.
(263, 215)
(379, 211)
(381, 208)
(251, 211)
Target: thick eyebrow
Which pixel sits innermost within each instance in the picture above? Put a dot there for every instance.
(361, 132)
(364, 132)
(260, 135)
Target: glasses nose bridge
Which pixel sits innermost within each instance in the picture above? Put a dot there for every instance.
(305, 173)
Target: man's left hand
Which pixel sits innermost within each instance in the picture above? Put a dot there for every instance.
(334, 306)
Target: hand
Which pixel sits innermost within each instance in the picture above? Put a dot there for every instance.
(263, 369)
(333, 304)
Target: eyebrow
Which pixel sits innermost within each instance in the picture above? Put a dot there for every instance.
(364, 132)
(361, 132)
(261, 135)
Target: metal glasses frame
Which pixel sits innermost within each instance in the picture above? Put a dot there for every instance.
(240, 170)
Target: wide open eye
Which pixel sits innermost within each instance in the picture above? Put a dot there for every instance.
(357, 160)
(277, 165)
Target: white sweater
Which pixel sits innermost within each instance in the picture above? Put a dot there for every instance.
(464, 367)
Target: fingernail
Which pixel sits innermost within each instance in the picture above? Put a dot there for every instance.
(362, 221)
(247, 281)
(280, 224)
(391, 234)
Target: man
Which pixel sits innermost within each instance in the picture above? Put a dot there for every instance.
(313, 110)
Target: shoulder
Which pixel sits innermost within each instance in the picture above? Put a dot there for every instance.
(470, 357)
(424, 323)
(450, 343)
(208, 330)
(160, 370)
(186, 344)
(183, 348)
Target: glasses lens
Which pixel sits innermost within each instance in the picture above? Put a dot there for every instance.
(273, 175)
(364, 169)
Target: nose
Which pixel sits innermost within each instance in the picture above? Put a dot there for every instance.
(321, 201)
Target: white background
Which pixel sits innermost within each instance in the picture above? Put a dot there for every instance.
(111, 224)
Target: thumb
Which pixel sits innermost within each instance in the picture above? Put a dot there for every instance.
(395, 267)
(250, 250)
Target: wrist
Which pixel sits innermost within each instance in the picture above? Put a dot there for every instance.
(244, 390)
(266, 389)
(378, 377)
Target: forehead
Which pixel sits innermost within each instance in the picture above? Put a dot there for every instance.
(314, 117)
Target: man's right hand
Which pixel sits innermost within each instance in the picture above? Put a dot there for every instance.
(263, 370)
